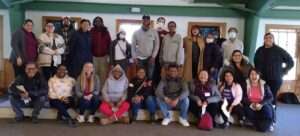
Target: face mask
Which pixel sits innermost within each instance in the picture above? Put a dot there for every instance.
(232, 35)
(209, 40)
(195, 33)
(160, 24)
(122, 36)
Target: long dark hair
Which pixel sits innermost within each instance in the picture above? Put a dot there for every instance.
(198, 83)
(223, 77)
(243, 61)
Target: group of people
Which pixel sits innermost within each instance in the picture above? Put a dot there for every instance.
(84, 69)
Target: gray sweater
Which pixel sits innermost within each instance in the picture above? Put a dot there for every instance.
(95, 91)
(172, 50)
(215, 95)
(172, 89)
(145, 44)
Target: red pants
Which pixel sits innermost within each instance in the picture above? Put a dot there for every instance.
(106, 109)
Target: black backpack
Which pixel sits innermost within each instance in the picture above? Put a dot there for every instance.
(288, 98)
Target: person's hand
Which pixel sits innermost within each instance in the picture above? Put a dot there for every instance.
(199, 103)
(174, 102)
(167, 100)
(258, 106)
(149, 83)
(65, 100)
(230, 109)
(136, 99)
(135, 61)
(19, 61)
(24, 94)
(152, 60)
(119, 103)
(204, 103)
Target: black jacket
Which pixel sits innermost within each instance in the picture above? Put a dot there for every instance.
(269, 62)
(36, 86)
(213, 57)
(134, 85)
(112, 50)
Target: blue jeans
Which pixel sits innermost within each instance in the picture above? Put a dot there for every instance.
(182, 105)
(36, 103)
(91, 105)
(148, 66)
(150, 105)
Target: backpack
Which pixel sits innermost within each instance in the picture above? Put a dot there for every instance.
(288, 98)
(205, 122)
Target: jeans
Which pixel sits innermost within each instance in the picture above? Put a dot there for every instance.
(262, 120)
(90, 105)
(62, 107)
(36, 103)
(149, 103)
(182, 105)
(148, 66)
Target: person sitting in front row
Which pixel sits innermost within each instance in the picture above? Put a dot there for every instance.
(258, 102)
(114, 95)
(87, 91)
(232, 95)
(60, 94)
(172, 92)
(204, 96)
(28, 90)
(141, 94)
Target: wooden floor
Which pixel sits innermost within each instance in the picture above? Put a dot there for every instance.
(288, 125)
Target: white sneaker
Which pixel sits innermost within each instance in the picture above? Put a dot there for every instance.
(184, 122)
(271, 129)
(91, 119)
(80, 119)
(166, 121)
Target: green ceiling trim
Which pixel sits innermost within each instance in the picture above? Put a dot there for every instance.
(125, 9)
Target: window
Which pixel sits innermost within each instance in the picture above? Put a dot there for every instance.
(129, 26)
(287, 39)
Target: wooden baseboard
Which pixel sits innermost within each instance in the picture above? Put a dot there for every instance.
(6, 76)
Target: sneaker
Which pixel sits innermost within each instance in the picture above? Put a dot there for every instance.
(152, 118)
(80, 119)
(184, 122)
(225, 125)
(91, 119)
(19, 119)
(125, 120)
(166, 121)
(34, 120)
(106, 121)
(271, 129)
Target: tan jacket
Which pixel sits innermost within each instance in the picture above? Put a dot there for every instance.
(46, 52)
(187, 67)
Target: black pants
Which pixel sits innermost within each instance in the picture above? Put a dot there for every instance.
(91, 105)
(211, 108)
(19, 70)
(237, 110)
(274, 86)
(62, 107)
(123, 63)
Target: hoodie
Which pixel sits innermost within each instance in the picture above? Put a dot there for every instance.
(115, 90)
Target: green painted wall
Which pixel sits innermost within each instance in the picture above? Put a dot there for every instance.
(16, 17)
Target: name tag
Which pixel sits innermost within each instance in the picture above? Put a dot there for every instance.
(206, 94)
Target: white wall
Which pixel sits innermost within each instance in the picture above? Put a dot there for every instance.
(262, 27)
(6, 32)
(110, 20)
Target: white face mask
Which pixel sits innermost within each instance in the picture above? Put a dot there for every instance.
(209, 40)
(232, 35)
(122, 36)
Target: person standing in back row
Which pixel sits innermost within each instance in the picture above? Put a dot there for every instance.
(269, 60)
(24, 47)
(231, 44)
(145, 46)
(100, 47)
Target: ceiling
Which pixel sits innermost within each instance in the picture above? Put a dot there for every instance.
(250, 6)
